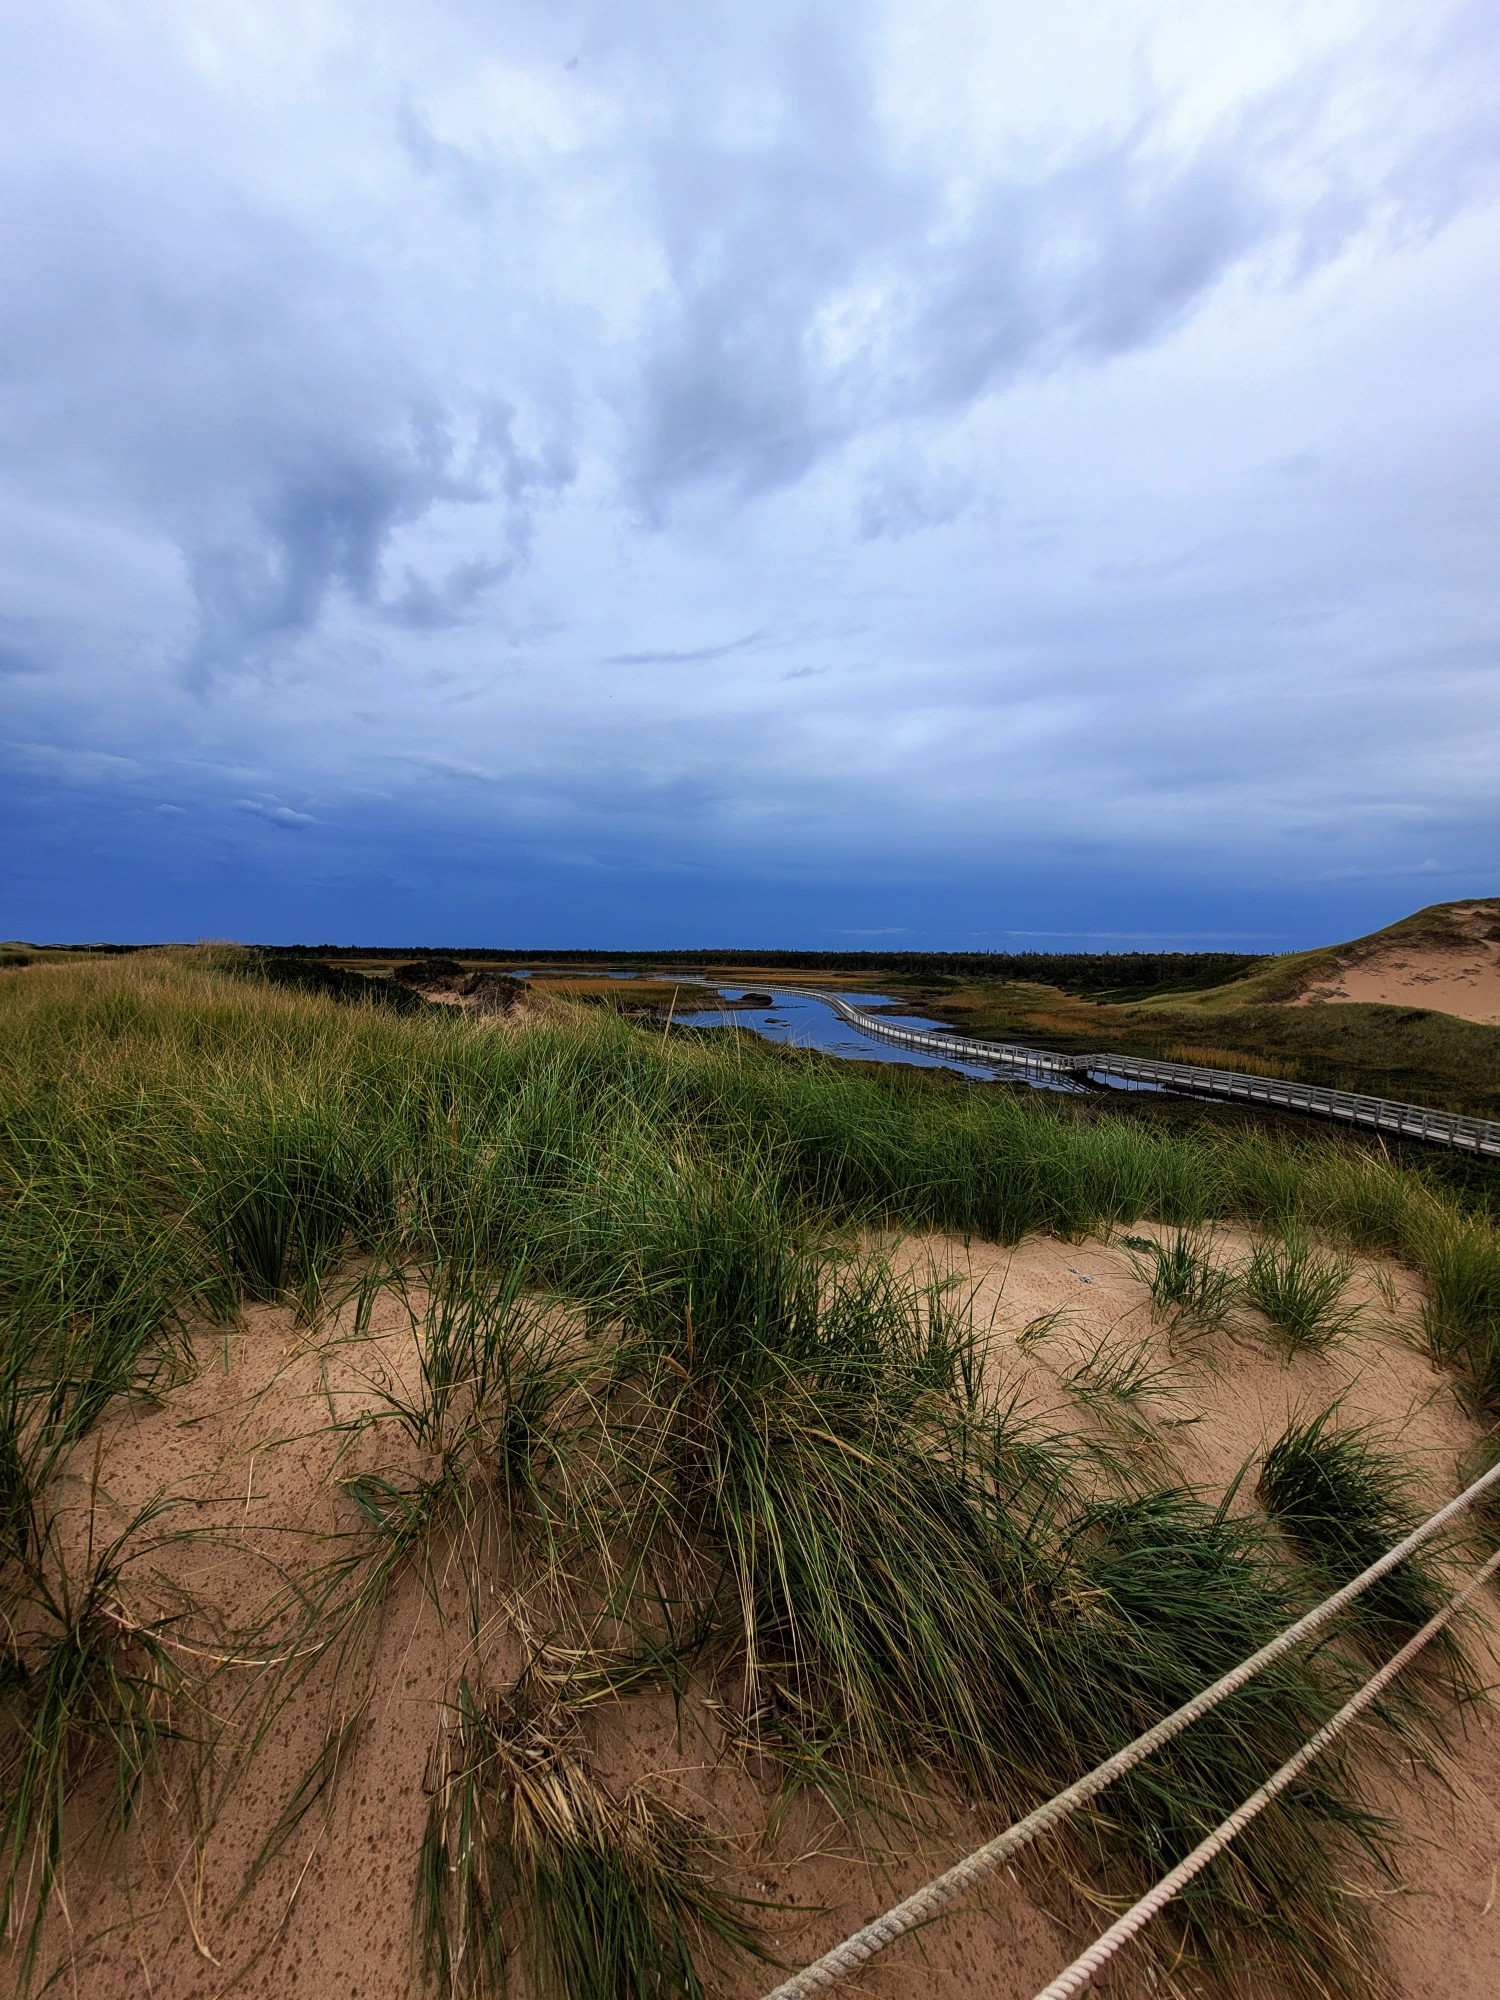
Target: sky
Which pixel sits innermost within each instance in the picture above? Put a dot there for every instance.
(826, 473)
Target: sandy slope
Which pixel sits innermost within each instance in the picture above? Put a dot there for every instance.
(1453, 967)
(330, 1916)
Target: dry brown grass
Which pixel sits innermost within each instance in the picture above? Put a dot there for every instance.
(1204, 1056)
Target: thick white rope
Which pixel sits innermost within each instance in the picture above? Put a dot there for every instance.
(925, 1903)
(1089, 1963)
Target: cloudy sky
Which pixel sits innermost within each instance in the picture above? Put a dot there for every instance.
(942, 473)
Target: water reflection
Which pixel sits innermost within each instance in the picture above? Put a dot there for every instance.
(807, 1023)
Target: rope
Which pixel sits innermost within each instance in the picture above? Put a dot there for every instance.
(1099, 1953)
(924, 1903)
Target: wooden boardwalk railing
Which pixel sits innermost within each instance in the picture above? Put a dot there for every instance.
(1377, 1114)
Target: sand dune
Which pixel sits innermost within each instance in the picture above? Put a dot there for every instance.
(1453, 967)
(330, 1912)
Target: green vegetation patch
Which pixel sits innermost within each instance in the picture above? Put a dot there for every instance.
(663, 1400)
(312, 975)
(1343, 1502)
(1411, 1054)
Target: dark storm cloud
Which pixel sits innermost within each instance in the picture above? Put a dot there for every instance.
(317, 527)
(758, 235)
(948, 298)
(325, 516)
(905, 494)
(426, 604)
(212, 373)
(1091, 261)
(1053, 432)
(741, 381)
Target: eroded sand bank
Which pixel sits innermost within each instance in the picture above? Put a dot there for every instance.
(1456, 972)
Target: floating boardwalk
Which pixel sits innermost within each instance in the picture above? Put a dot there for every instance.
(1376, 1114)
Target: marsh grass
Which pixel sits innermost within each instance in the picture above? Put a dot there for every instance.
(1207, 1056)
(1300, 1290)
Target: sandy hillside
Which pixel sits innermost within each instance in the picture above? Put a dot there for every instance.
(248, 1444)
(1452, 965)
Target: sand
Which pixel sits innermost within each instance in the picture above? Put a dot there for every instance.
(1455, 970)
(329, 1916)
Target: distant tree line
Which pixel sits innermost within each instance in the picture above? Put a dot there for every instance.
(1117, 973)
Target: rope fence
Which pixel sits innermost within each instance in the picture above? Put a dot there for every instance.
(1090, 1963)
(924, 1904)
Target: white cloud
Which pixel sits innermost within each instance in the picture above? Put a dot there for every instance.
(277, 815)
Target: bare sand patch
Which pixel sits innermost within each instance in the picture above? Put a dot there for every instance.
(1454, 971)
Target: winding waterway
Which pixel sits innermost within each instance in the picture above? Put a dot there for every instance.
(807, 1020)
(809, 1023)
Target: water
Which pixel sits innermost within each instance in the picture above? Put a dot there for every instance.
(807, 1023)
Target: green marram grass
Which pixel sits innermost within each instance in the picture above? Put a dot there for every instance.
(1300, 1290)
(1342, 1501)
(827, 1457)
(701, 1437)
(1188, 1285)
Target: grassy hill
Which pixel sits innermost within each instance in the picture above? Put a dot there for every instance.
(1470, 928)
(1274, 1020)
